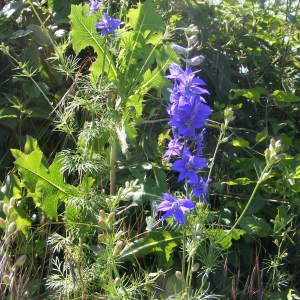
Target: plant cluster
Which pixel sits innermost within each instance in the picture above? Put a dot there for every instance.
(106, 124)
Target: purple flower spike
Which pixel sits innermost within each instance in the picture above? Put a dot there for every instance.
(175, 208)
(108, 25)
(94, 5)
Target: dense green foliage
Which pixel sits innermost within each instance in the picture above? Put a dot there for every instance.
(83, 128)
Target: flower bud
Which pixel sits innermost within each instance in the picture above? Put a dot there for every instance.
(111, 217)
(11, 227)
(6, 279)
(178, 49)
(229, 115)
(194, 61)
(179, 275)
(118, 247)
(2, 223)
(101, 237)
(195, 267)
(117, 281)
(12, 201)
(278, 145)
(193, 39)
(5, 209)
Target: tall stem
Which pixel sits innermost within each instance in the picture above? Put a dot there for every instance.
(259, 181)
(113, 170)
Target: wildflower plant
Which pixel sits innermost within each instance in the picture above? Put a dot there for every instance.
(188, 112)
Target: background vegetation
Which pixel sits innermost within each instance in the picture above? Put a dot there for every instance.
(83, 128)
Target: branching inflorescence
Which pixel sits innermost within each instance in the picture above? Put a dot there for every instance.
(188, 113)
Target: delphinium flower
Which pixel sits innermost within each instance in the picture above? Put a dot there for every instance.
(188, 166)
(175, 207)
(188, 113)
(94, 6)
(108, 25)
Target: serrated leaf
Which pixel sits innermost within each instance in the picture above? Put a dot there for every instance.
(251, 94)
(84, 34)
(239, 181)
(46, 186)
(283, 96)
(256, 226)
(227, 237)
(240, 143)
(145, 19)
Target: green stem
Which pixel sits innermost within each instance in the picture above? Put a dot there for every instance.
(113, 170)
(221, 135)
(259, 181)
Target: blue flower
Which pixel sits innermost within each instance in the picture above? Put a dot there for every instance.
(189, 117)
(175, 147)
(200, 188)
(94, 5)
(188, 166)
(108, 25)
(175, 207)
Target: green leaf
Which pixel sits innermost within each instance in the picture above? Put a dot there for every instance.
(239, 181)
(282, 96)
(227, 237)
(46, 186)
(256, 226)
(251, 94)
(145, 19)
(240, 142)
(162, 242)
(261, 136)
(84, 34)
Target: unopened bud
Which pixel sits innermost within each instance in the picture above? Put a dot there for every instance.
(278, 145)
(179, 275)
(101, 237)
(229, 115)
(117, 281)
(193, 39)
(178, 49)
(195, 267)
(118, 247)
(11, 227)
(12, 201)
(2, 222)
(112, 217)
(6, 279)
(5, 209)
(194, 61)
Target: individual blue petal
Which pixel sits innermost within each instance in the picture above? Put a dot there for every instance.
(164, 206)
(186, 204)
(169, 197)
(178, 216)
